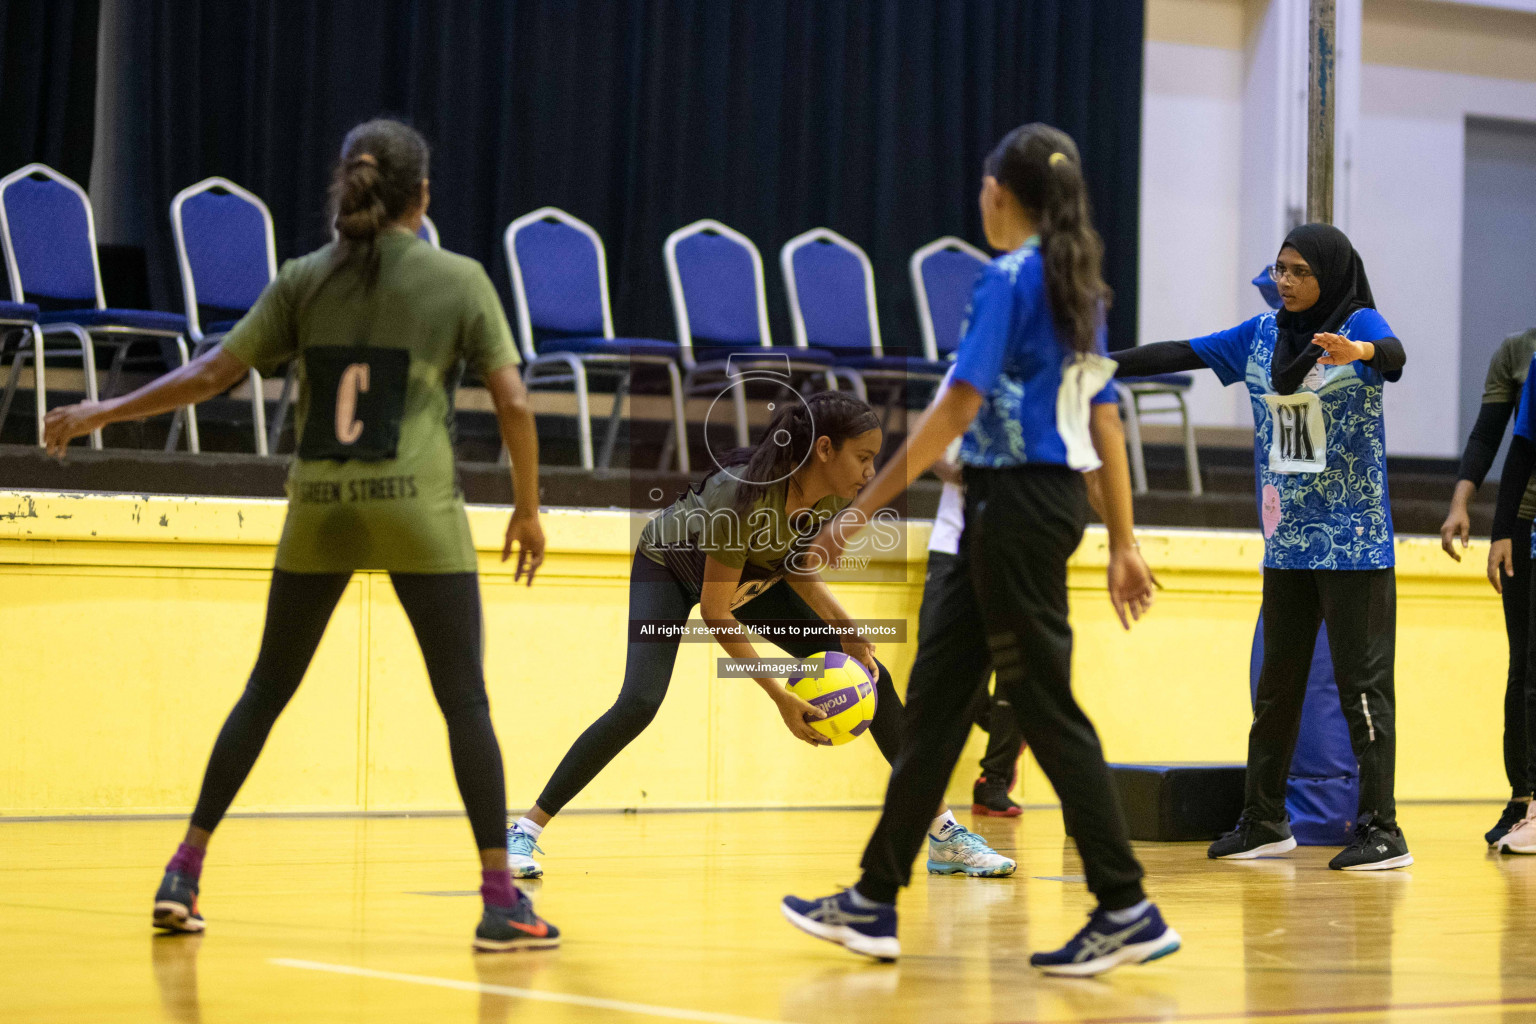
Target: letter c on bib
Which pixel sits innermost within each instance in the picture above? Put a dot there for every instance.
(353, 380)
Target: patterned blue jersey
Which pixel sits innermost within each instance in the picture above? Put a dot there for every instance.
(1320, 455)
(1036, 390)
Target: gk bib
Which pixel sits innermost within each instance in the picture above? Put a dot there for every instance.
(1298, 441)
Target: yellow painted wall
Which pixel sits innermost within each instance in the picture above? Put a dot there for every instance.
(128, 625)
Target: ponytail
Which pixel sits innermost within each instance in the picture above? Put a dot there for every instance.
(787, 441)
(1040, 165)
(376, 182)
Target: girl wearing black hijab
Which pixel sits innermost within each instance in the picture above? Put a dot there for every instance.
(1314, 371)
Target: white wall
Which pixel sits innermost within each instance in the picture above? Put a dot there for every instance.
(1200, 185)
(1191, 280)
(1411, 162)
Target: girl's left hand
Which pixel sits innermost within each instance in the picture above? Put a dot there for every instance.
(1131, 585)
(68, 422)
(862, 651)
(1340, 351)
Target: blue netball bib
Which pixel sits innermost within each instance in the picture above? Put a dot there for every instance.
(1320, 458)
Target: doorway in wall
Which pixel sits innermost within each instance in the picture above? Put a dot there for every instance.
(1498, 260)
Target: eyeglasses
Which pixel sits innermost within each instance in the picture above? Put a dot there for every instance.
(1298, 273)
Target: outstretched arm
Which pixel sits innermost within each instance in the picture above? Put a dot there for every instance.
(211, 373)
(1158, 357)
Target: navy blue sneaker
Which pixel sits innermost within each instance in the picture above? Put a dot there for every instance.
(505, 929)
(1514, 813)
(1103, 944)
(176, 904)
(867, 930)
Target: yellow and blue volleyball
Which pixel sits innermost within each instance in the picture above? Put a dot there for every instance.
(845, 692)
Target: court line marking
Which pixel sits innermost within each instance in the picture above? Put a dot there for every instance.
(616, 1005)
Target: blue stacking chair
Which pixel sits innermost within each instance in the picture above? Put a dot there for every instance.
(20, 318)
(50, 253)
(428, 232)
(944, 273)
(565, 323)
(831, 287)
(720, 303)
(227, 255)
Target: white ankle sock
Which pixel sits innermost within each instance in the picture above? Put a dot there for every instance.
(529, 827)
(1129, 914)
(943, 825)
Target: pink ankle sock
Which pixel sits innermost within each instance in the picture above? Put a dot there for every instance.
(188, 860)
(496, 889)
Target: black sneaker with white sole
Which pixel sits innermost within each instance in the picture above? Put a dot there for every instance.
(1374, 849)
(176, 904)
(1252, 839)
(506, 929)
(1514, 814)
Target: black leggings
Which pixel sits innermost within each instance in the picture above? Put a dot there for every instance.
(656, 596)
(991, 711)
(1519, 699)
(1360, 608)
(1005, 604)
(445, 613)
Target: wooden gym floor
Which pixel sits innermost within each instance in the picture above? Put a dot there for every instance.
(674, 917)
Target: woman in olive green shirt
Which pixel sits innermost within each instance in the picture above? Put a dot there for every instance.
(377, 324)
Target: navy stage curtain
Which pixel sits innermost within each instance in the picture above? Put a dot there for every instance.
(48, 85)
(867, 116)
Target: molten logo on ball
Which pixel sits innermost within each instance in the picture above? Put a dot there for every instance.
(845, 692)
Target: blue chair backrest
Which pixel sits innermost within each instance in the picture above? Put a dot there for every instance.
(562, 279)
(428, 232)
(719, 283)
(226, 242)
(50, 234)
(830, 290)
(949, 276)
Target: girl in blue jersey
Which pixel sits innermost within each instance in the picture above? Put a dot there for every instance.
(1314, 371)
(1031, 394)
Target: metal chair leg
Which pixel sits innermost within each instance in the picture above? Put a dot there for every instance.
(88, 361)
(114, 375)
(39, 381)
(259, 414)
(284, 400)
(1132, 416)
(615, 417)
(855, 381)
(194, 442)
(739, 404)
(583, 415)
(15, 379)
(1191, 450)
(679, 423)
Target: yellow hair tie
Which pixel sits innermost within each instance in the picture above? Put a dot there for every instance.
(1058, 158)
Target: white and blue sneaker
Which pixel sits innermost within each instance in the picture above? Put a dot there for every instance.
(1104, 943)
(868, 930)
(963, 852)
(520, 847)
